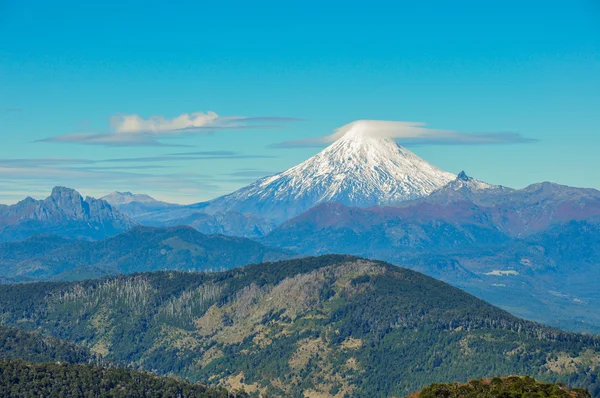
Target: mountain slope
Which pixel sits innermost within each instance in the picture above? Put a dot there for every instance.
(330, 325)
(135, 205)
(382, 232)
(140, 249)
(554, 272)
(64, 213)
(357, 170)
(548, 276)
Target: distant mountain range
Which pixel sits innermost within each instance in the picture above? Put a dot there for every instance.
(471, 214)
(64, 213)
(231, 223)
(141, 249)
(517, 213)
(364, 196)
(360, 170)
(322, 326)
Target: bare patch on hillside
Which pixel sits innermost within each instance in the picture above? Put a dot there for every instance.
(307, 349)
(236, 382)
(292, 298)
(352, 344)
(564, 363)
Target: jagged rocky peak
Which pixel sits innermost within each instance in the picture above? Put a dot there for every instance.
(463, 181)
(361, 168)
(65, 213)
(59, 192)
(68, 201)
(462, 176)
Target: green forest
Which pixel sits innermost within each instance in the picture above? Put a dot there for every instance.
(335, 325)
(505, 387)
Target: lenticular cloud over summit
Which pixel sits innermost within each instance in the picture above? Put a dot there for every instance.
(408, 133)
(383, 129)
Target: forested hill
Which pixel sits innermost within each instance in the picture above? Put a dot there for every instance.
(507, 387)
(330, 325)
(33, 347)
(20, 379)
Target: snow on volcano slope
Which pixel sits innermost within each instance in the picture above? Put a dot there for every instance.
(357, 170)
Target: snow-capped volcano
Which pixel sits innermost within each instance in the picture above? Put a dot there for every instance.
(359, 169)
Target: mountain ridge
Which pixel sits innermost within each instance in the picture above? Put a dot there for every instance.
(65, 212)
(48, 257)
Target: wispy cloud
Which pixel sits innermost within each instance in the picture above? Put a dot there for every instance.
(184, 157)
(19, 181)
(108, 139)
(134, 130)
(205, 153)
(21, 177)
(246, 176)
(409, 134)
(251, 173)
(39, 162)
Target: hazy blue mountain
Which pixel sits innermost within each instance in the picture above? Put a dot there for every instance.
(140, 249)
(135, 205)
(550, 277)
(65, 213)
(229, 223)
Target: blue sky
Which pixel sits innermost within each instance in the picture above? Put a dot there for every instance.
(73, 73)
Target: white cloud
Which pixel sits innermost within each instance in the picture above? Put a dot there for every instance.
(159, 124)
(134, 130)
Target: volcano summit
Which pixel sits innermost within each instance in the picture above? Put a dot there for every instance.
(359, 169)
